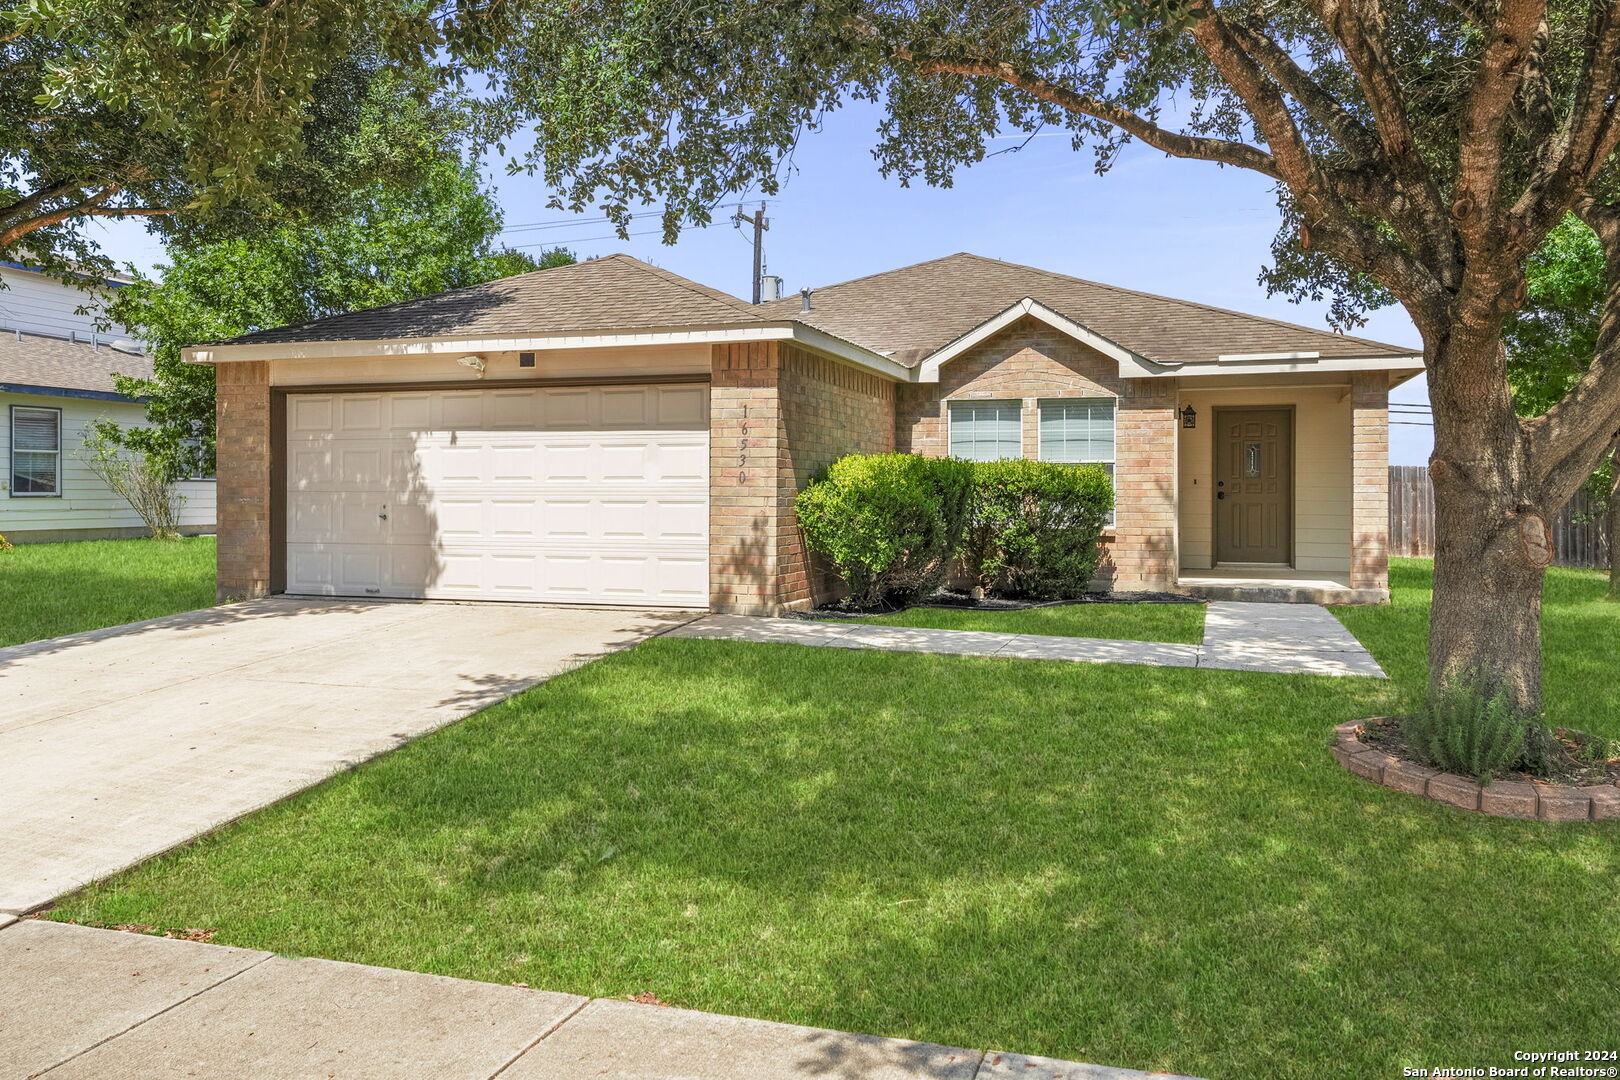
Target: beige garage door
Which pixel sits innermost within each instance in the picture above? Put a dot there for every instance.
(590, 495)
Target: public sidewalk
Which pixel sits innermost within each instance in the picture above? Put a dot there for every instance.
(91, 1004)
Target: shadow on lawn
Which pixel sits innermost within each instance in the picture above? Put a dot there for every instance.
(1097, 863)
(1155, 868)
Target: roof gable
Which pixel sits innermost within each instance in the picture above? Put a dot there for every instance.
(914, 312)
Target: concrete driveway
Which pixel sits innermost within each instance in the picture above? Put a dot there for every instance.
(118, 744)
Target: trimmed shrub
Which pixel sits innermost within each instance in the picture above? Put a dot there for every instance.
(889, 524)
(1471, 731)
(1035, 528)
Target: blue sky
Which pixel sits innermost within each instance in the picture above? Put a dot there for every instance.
(1185, 229)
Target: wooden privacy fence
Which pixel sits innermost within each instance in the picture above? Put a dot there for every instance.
(1579, 537)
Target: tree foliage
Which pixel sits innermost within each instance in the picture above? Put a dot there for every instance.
(1421, 152)
(393, 241)
(192, 116)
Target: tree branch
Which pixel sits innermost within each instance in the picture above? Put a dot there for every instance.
(1323, 201)
(29, 203)
(1362, 32)
(11, 234)
(1224, 151)
(1570, 160)
(1567, 441)
(1509, 45)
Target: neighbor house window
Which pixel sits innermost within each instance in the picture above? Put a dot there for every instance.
(987, 430)
(36, 451)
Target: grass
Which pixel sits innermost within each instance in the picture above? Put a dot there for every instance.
(47, 590)
(1580, 633)
(1160, 868)
(1121, 622)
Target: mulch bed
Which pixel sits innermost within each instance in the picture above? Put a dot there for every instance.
(1384, 733)
(1583, 791)
(960, 601)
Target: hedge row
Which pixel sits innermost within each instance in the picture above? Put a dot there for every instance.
(894, 525)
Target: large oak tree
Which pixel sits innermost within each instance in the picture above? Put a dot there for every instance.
(203, 115)
(1422, 150)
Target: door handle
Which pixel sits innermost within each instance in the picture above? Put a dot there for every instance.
(1220, 494)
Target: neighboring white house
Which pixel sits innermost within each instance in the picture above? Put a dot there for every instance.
(56, 378)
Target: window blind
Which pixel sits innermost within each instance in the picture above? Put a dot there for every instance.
(36, 451)
(1078, 430)
(987, 430)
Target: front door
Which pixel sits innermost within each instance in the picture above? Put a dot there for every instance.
(1254, 482)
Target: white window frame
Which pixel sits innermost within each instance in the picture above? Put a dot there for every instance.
(950, 423)
(11, 476)
(1112, 461)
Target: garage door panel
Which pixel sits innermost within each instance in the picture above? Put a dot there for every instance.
(311, 414)
(682, 406)
(583, 494)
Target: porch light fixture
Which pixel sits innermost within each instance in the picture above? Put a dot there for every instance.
(1189, 417)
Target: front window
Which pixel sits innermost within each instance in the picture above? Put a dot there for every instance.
(987, 430)
(36, 451)
(1079, 431)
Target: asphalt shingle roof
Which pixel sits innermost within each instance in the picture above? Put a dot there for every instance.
(46, 361)
(916, 310)
(613, 293)
(904, 314)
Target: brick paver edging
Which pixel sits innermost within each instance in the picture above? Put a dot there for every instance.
(1504, 798)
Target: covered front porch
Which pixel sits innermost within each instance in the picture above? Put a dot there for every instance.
(1283, 585)
(1282, 488)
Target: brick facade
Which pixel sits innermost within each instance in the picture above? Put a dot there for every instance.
(778, 414)
(243, 487)
(1031, 360)
(1145, 441)
(1028, 360)
(1369, 489)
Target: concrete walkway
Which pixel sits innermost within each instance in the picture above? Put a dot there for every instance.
(121, 743)
(84, 1004)
(1292, 639)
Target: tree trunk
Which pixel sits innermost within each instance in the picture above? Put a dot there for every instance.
(1492, 543)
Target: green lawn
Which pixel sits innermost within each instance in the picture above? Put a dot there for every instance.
(1160, 868)
(1121, 622)
(47, 590)
(1580, 641)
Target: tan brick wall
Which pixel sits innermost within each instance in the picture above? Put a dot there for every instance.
(745, 445)
(1145, 435)
(778, 414)
(1028, 360)
(828, 410)
(1031, 361)
(1369, 493)
(243, 487)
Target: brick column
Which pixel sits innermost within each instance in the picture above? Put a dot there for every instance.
(1144, 554)
(243, 485)
(1369, 491)
(745, 447)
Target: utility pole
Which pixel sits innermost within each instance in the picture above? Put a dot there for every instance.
(758, 221)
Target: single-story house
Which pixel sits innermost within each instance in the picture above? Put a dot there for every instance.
(612, 433)
(56, 379)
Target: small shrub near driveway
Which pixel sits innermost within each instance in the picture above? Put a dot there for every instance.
(1035, 527)
(889, 524)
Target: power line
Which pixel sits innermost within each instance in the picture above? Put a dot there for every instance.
(564, 223)
(609, 236)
